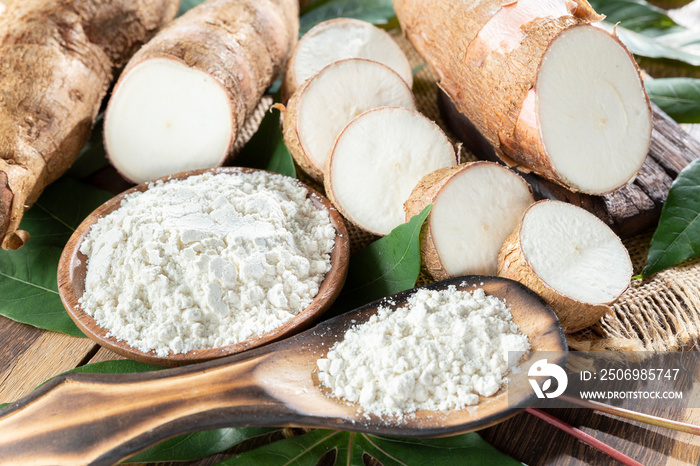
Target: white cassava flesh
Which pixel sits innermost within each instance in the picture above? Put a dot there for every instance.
(167, 109)
(320, 109)
(475, 207)
(597, 137)
(377, 161)
(548, 89)
(338, 39)
(570, 258)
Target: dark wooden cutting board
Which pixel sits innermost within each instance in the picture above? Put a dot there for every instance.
(631, 209)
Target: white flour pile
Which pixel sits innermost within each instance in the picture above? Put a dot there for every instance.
(440, 352)
(205, 262)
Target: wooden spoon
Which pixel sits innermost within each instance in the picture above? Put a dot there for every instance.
(101, 419)
(72, 268)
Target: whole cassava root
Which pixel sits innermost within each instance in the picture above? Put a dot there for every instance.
(58, 58)
(184, 97)
(548, 89)
(569, 257)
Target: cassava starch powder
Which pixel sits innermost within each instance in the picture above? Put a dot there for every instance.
(439, 352)
(207, 261)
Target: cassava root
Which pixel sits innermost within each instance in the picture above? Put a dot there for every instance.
(549, 90)
(184, 97)
(58, 58)
(569, 257)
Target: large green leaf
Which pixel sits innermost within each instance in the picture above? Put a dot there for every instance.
(29, 291)
(93, 156)
(677, 237)
(636, 15)
(59, 211)
(387, 266)
(28, 286)
(678, 97)
(372, 11)
(266, 148)
(646, 46)
(351, 449)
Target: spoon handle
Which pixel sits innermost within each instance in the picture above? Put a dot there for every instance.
(103, 418)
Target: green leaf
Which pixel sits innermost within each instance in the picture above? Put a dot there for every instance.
(387, 266)
(120, 366)
(28, 286)
(636, 15)
(372, 11)
(93, 156)
(645, 46)
(677, 237)
(266, 149)
(29, 291)
(351, 448)
(59, 211)
(186, 5)
(198, 445)
(678, 97)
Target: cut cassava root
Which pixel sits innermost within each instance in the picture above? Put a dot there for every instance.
(184, 97)
(338, 39)
(570, 258)
(376, 162)
(58, 59)
(475, 207)
(320, 109)
(548, 89)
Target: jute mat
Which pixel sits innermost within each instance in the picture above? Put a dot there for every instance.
(658, 314)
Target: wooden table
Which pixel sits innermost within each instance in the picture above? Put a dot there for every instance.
(29, 356)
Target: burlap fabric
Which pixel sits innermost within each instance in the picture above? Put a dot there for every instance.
(657, 314)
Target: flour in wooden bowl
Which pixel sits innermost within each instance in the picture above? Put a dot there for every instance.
(207, 261)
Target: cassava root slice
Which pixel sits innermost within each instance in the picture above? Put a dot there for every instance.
(376, 162)
(548, 89)
(320, 109)
(58, 59)
(338, 39)
(570, 258)
(184, 97)
(475, 207)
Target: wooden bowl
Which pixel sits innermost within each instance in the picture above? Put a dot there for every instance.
(72, 268)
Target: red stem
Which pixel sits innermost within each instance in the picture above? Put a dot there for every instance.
(584, 437)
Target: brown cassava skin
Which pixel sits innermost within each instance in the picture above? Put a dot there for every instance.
(290, 133)
(425, 193)
(573, 314)
(242, 44)
(58, 59)
(488, 79)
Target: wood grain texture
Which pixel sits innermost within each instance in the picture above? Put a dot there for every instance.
(72, 269)
(30, 356)
(629, 210)
(273, 385)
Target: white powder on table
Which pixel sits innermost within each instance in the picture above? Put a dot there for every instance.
(439, 352)
(205, 262)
